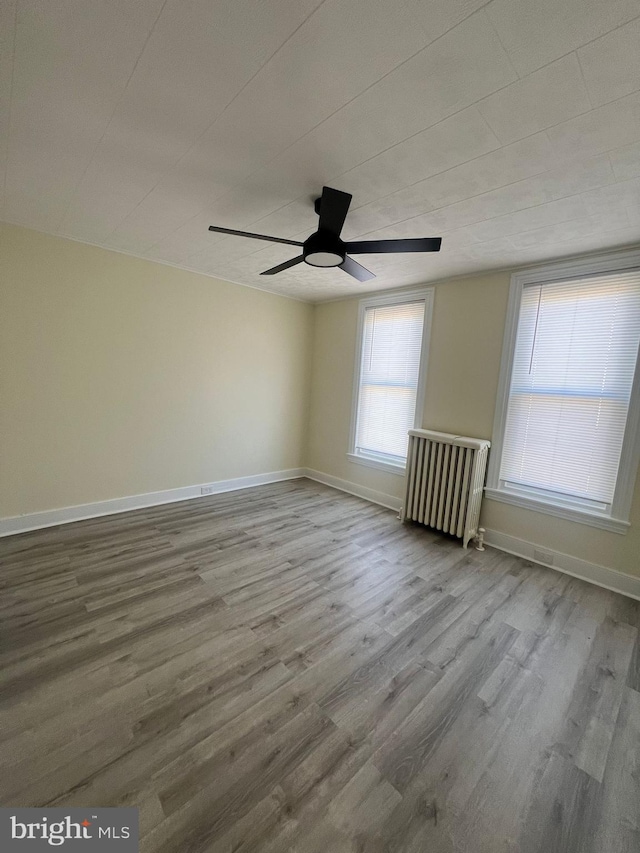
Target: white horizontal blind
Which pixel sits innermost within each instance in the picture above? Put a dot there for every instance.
(391, 347)
(573, 370)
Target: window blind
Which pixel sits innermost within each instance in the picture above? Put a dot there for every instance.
(390, 366)
(572, 377)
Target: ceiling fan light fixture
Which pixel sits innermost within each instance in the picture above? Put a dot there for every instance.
(324, 249)
(324, 259)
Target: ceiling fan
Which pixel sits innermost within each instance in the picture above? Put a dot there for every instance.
(324, 248)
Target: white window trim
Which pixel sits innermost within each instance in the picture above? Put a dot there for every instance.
(383, 300)
(617, 520)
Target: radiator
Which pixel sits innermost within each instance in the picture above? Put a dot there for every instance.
(445, 481)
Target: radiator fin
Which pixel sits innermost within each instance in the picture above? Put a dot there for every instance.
(445, 481)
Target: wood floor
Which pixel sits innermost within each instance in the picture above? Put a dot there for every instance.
(288, 668)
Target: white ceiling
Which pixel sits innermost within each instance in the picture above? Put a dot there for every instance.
(510, 128)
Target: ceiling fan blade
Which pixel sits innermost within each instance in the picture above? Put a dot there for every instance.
(254, 236)
(420, 244)
(284, 266)
(356, 270)
(334, 205)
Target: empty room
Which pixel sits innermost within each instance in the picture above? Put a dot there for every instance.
(320, 426)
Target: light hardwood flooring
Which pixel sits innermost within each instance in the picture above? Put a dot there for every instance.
(289, 668)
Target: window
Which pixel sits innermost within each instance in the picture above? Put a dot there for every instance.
(566, 432)
(390, 367)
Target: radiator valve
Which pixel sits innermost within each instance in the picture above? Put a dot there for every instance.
(480, 539)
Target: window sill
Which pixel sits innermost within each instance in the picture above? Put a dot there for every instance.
(371, 462)
(604, 522)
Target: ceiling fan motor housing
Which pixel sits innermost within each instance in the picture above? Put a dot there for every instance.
(324, 249)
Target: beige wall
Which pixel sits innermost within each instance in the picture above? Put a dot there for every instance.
(464, 360)
(120, 376)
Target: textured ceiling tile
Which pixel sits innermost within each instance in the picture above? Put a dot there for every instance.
(542, 99)
(466, 64)
(313, 74)
(193, 237)
(607, 201)
(626, 161)
(112, 186)
(236, 112)
(72, 63)
(528, 219)
(535, 32)
(577, 176)
(611, 64)
(565, 231)
(498, 168)
(440, 80)
(488, 205)
(455, 140)
(189, 73)
(610, 126)
(438, 18)
(468, 60)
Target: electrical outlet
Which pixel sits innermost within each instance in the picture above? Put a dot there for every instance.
(207, 490)
(543, 557)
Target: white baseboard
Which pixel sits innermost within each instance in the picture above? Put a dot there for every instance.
(388, 501)
(65, 515)
(592, 572)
